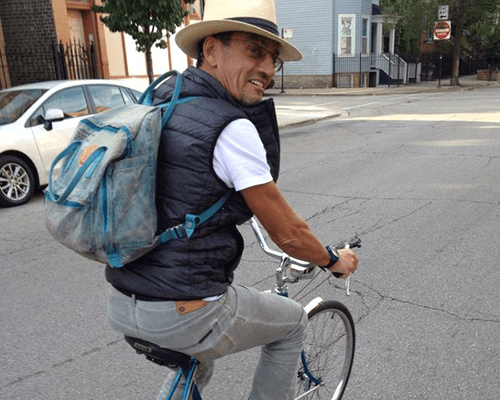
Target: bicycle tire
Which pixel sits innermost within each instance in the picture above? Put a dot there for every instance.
(328, 353)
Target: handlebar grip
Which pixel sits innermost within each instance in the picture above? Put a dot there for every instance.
(354, 242)
(350, 244)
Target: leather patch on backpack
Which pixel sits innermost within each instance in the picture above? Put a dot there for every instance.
(86, 153)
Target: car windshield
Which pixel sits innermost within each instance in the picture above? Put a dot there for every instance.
(13, 103)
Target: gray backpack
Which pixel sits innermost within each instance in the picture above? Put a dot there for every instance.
(101, 204)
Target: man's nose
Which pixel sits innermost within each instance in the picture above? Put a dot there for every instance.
(267, 65)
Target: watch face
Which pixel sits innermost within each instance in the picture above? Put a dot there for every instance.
(333, 253)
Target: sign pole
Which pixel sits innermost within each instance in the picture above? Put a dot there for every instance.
(282, 67)
(440, 69)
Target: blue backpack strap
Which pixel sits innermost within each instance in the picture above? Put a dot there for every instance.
(193, 221)
(69, 152)
(88, 168)
(173, 101)
(147, 97)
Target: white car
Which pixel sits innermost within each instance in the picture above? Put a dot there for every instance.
(37, 122)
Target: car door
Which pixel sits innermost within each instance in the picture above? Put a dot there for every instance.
(53, 140)
(105, 97)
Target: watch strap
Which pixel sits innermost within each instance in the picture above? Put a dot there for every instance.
(333, 257)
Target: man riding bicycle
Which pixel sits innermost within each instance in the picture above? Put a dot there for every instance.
(180, 295)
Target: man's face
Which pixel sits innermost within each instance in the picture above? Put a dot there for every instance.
(244, 66)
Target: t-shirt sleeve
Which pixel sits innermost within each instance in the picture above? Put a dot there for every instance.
(239, 156)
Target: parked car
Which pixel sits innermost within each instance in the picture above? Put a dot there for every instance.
(37, 122)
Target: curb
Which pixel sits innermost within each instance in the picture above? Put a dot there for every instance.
(311, 121)
(408, 89)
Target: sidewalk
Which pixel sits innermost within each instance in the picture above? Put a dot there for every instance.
(289, 116)
(468, 82)
(295, 115)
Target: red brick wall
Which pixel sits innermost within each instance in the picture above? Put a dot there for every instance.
(484, 75)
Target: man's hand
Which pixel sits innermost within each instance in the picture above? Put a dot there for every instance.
(347, 263)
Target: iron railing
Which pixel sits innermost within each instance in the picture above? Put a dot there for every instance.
(75, 60)
(359, 70)
(72, 60)
(394, 69)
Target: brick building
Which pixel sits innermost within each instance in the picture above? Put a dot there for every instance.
(28, 31)
(35, 38)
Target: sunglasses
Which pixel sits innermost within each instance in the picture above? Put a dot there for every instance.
(258, 52)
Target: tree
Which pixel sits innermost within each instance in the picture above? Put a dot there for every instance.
(413, 16)
(486, 36)
(149, 22)
(466, 14)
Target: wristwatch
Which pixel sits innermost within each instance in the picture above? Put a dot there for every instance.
(334, 256)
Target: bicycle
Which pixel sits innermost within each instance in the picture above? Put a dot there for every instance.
(328, 353)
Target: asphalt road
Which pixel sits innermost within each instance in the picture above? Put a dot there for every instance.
(415, 176)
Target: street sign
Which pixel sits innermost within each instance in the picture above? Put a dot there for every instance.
(287, 34)
(443, 13)
(442, 30)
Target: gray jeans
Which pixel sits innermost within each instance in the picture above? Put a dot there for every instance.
(242, 319)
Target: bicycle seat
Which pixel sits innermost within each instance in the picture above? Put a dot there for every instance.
(160, 355)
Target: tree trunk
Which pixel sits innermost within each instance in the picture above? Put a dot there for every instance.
(457, 48)
(149, 65)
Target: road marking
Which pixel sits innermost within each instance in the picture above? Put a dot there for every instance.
(330, 102)
(361, 105)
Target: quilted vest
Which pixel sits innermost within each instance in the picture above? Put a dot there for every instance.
(186, 182)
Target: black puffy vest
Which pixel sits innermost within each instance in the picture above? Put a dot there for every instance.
(186, 182)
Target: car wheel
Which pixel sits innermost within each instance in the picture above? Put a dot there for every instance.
(17, 181)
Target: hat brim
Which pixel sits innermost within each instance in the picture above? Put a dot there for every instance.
(188, 38)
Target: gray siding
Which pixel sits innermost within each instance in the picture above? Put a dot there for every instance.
(312, 34)
(315, 31)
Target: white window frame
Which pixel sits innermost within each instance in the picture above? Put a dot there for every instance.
(368, 34)
(342, 34)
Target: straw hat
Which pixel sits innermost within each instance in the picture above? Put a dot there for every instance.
(253, 16)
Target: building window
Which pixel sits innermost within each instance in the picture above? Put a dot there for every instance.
(365, 32)
(344, 80)
(347, 30)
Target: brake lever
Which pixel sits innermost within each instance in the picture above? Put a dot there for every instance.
(351, 243)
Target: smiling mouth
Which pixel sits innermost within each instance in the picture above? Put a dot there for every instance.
(257, 83)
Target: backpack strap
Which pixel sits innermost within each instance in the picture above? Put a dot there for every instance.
(147, 96)
(193, 221)
(87, 168)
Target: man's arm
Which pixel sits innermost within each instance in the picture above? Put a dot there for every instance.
(290, 232)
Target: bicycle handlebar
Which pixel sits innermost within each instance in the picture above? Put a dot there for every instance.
(298, 266)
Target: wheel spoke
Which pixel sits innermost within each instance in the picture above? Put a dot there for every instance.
(328, 352)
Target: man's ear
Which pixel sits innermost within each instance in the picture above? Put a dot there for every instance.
(211, 46)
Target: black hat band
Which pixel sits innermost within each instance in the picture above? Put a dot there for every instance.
(260, 23)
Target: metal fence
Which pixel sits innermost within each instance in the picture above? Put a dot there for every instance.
(394, 69)
(373, 69)
(73, 60)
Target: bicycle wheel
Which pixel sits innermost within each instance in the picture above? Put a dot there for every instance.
(328, 353)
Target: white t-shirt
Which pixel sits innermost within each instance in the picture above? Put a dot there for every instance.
(239, 156)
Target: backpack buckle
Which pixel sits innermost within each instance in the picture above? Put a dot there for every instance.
(174, 233)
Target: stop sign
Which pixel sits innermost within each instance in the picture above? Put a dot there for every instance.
(442, 30)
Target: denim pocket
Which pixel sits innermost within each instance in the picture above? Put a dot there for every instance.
(161, 324)
(214, 345)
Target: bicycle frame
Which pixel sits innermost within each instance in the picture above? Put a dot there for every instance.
(291, 270)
